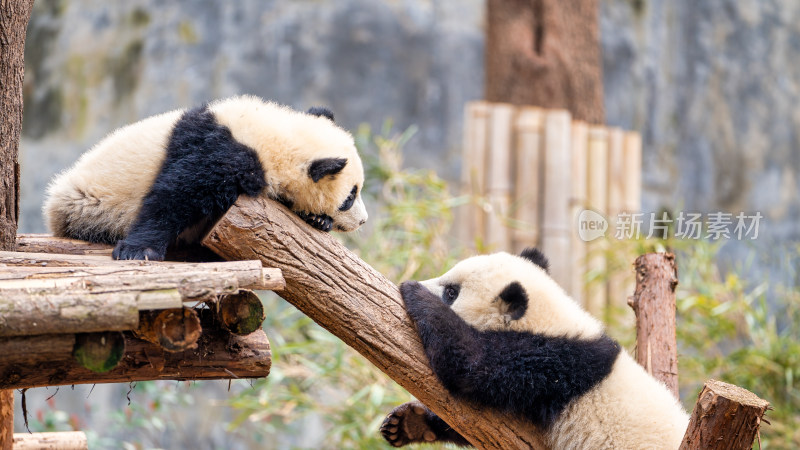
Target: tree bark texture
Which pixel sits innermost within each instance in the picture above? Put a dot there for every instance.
(545, 53)
(36, 361)
(47, 243)
(653, 302)
(14, 15)
(352, 300)
(726, 417)
(193, 280)
(63, 440)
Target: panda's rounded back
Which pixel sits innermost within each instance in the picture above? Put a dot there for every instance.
(103, 190)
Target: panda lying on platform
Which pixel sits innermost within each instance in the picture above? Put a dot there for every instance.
(173, 175)
(499, 332)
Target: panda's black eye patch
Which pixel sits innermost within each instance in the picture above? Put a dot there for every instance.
(348, 203)
(450, 293)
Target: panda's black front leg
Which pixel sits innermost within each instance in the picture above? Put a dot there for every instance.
(452, 346)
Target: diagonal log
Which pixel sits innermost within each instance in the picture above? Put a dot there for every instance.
(352, 300)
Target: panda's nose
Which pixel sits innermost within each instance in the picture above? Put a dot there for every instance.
(363, 221)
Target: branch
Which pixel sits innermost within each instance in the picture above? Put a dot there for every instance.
(654, 305)
(352, 300)
(726, 417)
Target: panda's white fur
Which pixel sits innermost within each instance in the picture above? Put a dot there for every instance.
(103, 192)
(627, 409)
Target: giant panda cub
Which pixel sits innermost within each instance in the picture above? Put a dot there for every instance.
(499, 332)
(173, 175)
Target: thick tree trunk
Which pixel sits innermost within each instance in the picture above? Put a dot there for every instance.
(545, 53)
(36, 361)
(726, 417)
(653, 302)
(356, 303)
(14, 15)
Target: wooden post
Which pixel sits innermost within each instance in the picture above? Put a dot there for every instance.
(528, 181)
(473, 171)
(653, 302)
(597, 184)
(14, 15)
(352, 300)
(499, 178)
(577, 248)
(726, 417)
(556, 215)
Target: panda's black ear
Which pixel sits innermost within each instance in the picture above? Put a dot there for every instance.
(535, 256)
(516, 300)
(321, 111)
(323, 167)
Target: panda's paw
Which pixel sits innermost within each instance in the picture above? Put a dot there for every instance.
(124, 250)
(321, 222)
(407, 424)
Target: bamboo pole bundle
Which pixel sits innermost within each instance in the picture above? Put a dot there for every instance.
(578, 202)
(557, 178)
(473, 171)
(499, 179)
(528, 178)
(597, 184)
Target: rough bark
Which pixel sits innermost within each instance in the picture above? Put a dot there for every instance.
(193, 280)
(47, 360)
(24, 313)
(63, 440)
(726, 417)
(46, 243)
(359, 305)
(241, 313)
(653, 302)
(14, 15)
(545, 53)
(174, 330)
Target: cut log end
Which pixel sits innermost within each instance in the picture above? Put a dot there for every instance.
(725, 417)
(99, 352)
(240, 313)
(175, 330)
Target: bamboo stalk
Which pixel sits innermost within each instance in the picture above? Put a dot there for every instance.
(597, 183)
(499, 177)
(557, 176)
(528, 179)
(578, 202)
(473, 175)
(618, 277)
